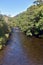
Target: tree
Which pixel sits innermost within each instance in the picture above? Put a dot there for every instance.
(38, 2)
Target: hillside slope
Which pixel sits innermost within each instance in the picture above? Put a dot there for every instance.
(31, 21)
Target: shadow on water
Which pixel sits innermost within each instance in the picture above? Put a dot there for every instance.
(22, 50)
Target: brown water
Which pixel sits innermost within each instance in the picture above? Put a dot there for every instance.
(22, 50)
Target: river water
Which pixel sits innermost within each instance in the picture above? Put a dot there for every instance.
(22, 50)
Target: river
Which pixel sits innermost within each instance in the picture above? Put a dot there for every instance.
(22, 50)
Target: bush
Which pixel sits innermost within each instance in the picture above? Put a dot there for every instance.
(4, 31)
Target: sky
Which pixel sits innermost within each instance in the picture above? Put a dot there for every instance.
(14, 7)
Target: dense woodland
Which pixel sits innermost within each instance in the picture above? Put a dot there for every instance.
(4, 31)
(30, 22)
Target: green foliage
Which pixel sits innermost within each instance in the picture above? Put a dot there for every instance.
(31, 21)
(12, 22)
(38, 2)
(4, 29)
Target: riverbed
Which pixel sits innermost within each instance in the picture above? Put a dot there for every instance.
(22, 50)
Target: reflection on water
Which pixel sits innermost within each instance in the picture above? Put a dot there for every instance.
(22, 50)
